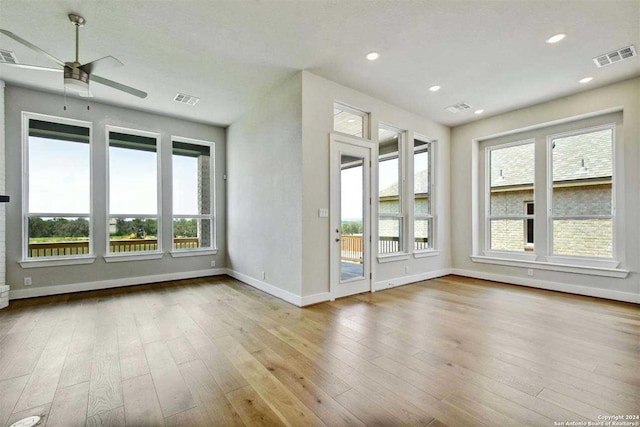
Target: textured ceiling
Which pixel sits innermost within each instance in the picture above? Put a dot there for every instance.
(490, 54)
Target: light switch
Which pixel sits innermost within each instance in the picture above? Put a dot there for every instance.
(323, 213)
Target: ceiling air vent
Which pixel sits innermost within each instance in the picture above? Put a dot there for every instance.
(7, 56)
(615, 56)
(462, 106)
(186, 99)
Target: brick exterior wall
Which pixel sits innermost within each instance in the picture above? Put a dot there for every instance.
(589, 237)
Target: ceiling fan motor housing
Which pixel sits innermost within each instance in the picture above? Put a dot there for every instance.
(75, 78)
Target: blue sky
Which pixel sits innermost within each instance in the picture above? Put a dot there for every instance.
(59, 179)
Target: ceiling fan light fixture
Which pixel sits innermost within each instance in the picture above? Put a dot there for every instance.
(75, 79)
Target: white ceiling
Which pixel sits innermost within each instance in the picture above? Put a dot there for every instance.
(490, 54)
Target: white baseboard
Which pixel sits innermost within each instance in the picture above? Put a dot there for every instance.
(552, 286)
(404, 280)
(266, 287)
(112, 283)
(316, 298)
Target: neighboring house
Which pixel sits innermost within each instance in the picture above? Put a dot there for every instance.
(388, 198)
(582, 168)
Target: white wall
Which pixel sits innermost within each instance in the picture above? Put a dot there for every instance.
(264, 192)
(104, 274)
(625, 95)
(318, 96)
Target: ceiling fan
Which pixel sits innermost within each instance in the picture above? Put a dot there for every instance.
(76, 75)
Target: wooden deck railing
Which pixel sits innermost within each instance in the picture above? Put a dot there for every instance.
(352, 246)
(39, 250)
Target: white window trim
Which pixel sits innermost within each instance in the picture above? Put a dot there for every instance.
(192, 252)
(212, 185)
(574, 258)
(554, 266)
(57, 262)
(25, 261)
(114, 257)
(402, 253)
(132, 256)
(366, 132)
(433, 249)
(487, 202)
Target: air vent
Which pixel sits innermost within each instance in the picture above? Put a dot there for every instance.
(462, 106)
(186, 99)
(615, 56)
(7, 56)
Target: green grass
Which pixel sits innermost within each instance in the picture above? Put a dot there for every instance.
(75, 239)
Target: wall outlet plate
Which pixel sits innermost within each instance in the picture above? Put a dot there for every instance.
(27, 281)
(323, 213)
(529, 272)
(264, 275)
(213, 263)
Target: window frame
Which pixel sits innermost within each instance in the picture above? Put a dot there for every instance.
(487, 201)
(430, 147)
(141, 255)
(366, 119)
(580, 259)
(402, 212)
(210, 250)
(25, 260)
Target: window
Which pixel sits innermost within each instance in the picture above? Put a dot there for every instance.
(56, 187)
(193, 194)
(529, 212)
(569, 219)
(350, 121)
(134, 196)
(511, 183)
(581, 193)
(390, 208)
(422, 195)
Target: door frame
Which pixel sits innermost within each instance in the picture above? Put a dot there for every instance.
(334, 201)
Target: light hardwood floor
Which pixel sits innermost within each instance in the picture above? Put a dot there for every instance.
(450, 351)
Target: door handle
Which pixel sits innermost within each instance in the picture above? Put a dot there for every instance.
(337, 239)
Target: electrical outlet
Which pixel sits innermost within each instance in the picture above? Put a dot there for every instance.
(529, 272)
(264, 275)
(27, 281)
(406, 269)
(213, 263)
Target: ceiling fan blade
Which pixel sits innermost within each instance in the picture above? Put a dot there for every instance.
(119, 86)
(101, 64)
(32, 67)
(31, 46)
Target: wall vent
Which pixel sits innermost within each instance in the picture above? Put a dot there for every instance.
(615, 56)
(461, 106)
(186, 99)
(6, 56)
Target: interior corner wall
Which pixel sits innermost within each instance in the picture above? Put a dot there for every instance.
(50, 280)
(318, 97)
(625, 95)
(264, 192)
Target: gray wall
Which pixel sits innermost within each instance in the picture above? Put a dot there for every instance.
(264, 189)
(625, 95)
(20, 99)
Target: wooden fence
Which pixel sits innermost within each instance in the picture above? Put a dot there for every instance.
(39, 250)
(352, 246)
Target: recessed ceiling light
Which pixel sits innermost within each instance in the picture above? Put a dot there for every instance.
(556, 38)
(478, 112)
(372, 56)
(586, 80)
(434, 88)
(351, 120)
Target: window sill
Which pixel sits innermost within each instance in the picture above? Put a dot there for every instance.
(53, 262)
(551, 266)
(427, 253)
(193, 252)
(131, 257)
(393, 257)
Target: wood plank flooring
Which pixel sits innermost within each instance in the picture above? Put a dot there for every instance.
(445, 352)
